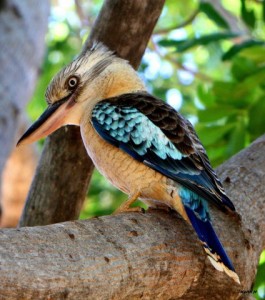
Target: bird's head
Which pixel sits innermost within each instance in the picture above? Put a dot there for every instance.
(75, 90)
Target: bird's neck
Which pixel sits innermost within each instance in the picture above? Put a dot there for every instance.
(117, 79)
(122, 79)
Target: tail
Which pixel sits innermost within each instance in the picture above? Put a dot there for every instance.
(210, 241)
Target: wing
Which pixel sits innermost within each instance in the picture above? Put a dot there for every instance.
(154, 133)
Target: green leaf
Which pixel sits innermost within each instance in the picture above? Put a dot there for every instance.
(217, 152)
(239, 47)
(206, 97)
(237, 139)
(242, 67)
(244, 88)
(260, 277)
(239, 94)
(263, 10)
(186, 44)
(212, 134)
(223, 90)
(213, 14)
(248, 15)
(255, 53)
(215, 113)
(257, 118)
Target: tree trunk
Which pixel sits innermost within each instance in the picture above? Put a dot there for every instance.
(15, 186)
(22, 28)
(155, 255)
(124, 26)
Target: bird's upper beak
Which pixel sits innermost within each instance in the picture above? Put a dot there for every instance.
(52, 119)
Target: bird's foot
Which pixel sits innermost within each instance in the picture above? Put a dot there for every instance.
(160, 207)
(235, 215)
(122, 209)
(125, 206)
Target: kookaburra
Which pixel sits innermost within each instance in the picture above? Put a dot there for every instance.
(138, 142)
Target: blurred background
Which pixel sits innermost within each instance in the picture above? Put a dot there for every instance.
(206, 59)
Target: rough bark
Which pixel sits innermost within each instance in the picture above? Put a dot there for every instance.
(141, 256)
(57, 193)
(22, 28)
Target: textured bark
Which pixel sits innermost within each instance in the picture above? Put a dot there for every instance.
(141, 256)
(64, 171)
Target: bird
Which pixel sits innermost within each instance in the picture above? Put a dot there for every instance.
(142, 145)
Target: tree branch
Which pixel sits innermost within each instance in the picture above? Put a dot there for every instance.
(235, 24)
(56, 195)
(23, 26)
(15, 187)
(141, 256)
(178, 26)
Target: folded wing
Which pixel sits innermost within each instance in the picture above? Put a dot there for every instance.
(155, 134)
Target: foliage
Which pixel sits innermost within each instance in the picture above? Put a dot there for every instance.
(198, 61)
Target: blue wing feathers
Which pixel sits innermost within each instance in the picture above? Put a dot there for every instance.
(127, 128)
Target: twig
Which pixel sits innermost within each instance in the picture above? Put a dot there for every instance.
(168, 57)
(183, 24)
(84, 18)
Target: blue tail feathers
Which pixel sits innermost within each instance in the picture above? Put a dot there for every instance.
(197, 211)
(209, 239)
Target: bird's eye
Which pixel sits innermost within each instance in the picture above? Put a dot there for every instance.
(72, 82)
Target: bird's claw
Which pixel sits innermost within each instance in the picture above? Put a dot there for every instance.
(122, 209)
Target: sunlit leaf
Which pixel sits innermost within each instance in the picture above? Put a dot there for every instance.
(255, 53)
(212, 134)
(239, 47)
(206, 96)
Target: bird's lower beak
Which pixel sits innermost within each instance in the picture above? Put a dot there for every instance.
(52, 119)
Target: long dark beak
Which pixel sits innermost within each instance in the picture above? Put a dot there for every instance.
(52, 118)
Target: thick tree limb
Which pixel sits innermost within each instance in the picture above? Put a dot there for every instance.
(64, 171)
(22, 29)
(15, 187)
(141, 256)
